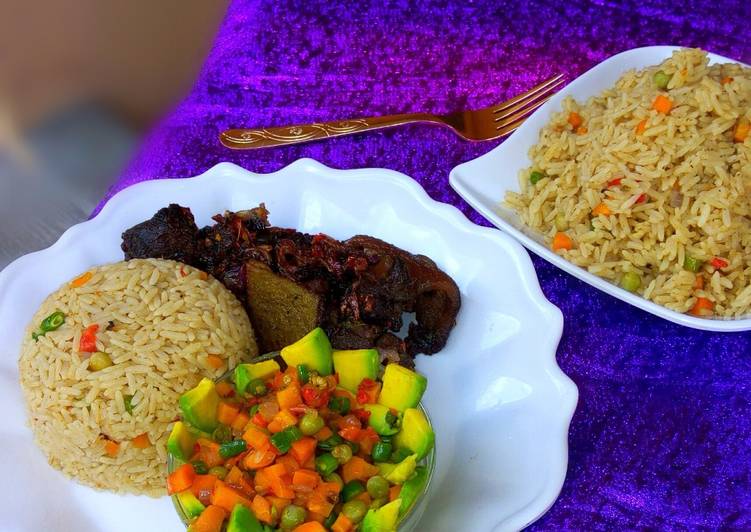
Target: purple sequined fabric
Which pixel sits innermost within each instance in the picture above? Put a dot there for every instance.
(662, 435)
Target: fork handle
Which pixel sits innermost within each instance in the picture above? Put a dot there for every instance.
(249, 139)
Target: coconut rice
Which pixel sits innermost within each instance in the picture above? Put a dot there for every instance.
(164, 325)
(653, 198)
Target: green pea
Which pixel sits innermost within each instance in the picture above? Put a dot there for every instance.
(692, 264)
(352, 489)
(232, 448)
(631, 281)
(303, 373)
(311, 423)
(661, 79)
(326, 464)
(219, 472)
(342, 453)
(381, 451)
(292, 516)
(334, 477)
(378, 487)
(52, 322)
(257, 388)
(99, 361)
(355, 510)
(200, 467)
(535, 176)
(222, 434)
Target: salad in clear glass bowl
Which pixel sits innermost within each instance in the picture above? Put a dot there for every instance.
(331, 442)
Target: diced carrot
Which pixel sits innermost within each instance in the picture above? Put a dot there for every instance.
(180, 479)
(358, 469)
(111, 447)
(702, 307)
(210, 520)
(204, 276)
(282, 420)
(581, 130)
(342, 524)
(214, 361)
(364, 497)
(562, 241)
(227, 497)
(289, 462)
(236, 478)
(324, 434)
(328, 489)
(262, 482)
(208, 452)
(81, 280)
(318, 518)
(310, 464)
(742, 129)
(310, 526)
(278, 503)
(226, 413)
(262, 508)
(575, 119)
(726, 80)
(662, 104)
(305, 478)
(350, 433)
(394, 492)
(258, 459)
(224, 389)
(203, 487)
(256, 438)
(641, 127)
(368, 438)
(601, 209)
(303, 449)
(240, 422)
(259, 420)
(289, 396)
(699, 282)
(319, 505)
(279, 480)
(141, 441)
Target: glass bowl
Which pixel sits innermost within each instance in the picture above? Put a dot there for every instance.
(407, 523)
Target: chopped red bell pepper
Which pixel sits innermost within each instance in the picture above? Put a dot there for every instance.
(87, 344)
(315, 397)
(615, 182)
(642, 198)
(362, 414)
(719, 263)
(350, 433)
(367, 391)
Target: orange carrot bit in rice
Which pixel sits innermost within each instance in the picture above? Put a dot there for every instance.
(562, 241)
(204, 276)
(742, 129)
(575, 119)
(699, 282)
(111, 448)
(662, 104)
(641, 127)
(141, 441)
(702, 307)
(581, 130)
(214, 361)
(81, 280)
(602, 209)
(726, 80)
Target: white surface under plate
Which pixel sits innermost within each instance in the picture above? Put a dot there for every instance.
(500, 405)
(483, 182)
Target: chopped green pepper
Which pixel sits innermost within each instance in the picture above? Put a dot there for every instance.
(284, 439)
(303, 373)
(661, 79)
(352, 489)
(200, 467)
(381, 451)
(340, 405)
(232, 448)
(692, 264)
(326, 464)
(128, 402)
(330, 443)
(219, 472)
(256, 387)
(50, 323)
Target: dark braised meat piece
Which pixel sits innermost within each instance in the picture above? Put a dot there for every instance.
(169, 234)
(357, 290)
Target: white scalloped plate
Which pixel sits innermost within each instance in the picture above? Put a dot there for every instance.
(483, 181)
(500, 404)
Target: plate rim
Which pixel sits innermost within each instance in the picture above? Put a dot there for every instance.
(461, 175)
(546, 364)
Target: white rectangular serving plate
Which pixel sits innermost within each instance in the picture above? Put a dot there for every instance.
(484, 181)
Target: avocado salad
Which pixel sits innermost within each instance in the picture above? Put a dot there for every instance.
(331, 442)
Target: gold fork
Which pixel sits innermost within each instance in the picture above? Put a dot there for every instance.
(482, 124)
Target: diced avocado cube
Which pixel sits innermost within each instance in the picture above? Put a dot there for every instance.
(416, 433)
(244, 373)
(402, 388)
(313, 350)
(403, 470)
(382, 419)
(243, 520)
(355, 365)
(412, 489)
(199, 405)
(384, 519)
(190, 504)
(180, 442)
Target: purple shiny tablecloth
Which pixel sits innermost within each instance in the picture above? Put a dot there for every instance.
(662, 435)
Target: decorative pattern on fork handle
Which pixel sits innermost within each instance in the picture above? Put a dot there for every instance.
(284, 135)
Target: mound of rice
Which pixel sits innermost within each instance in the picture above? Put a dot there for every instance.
(158, 321)
(663, 185)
